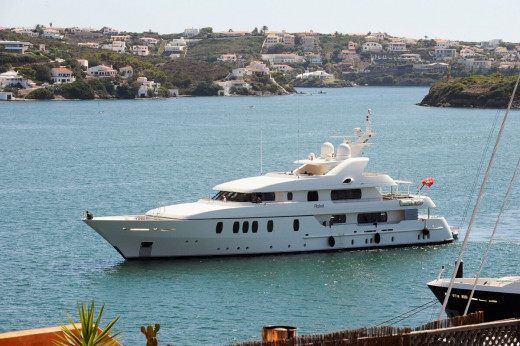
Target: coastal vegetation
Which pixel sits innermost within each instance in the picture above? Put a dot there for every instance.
(475, 91)
(206, 60)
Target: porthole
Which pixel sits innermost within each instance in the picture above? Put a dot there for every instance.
(289, 196)
(255, 227)
(371, 240)
(238, 248)
(418, 237)
(270, 226)
(236, 226)
(245, 227)
(296, 225)
(392, 239)
(352, 241)
(366, 241)
(219, 227)
(271, 247)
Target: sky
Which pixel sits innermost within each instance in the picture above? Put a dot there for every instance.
(463, 20)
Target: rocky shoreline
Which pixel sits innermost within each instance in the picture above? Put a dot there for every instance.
(473, 92)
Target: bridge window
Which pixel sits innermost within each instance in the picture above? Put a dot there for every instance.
(338, 195)
(372, 217)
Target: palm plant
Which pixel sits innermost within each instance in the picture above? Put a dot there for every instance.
(88, 334)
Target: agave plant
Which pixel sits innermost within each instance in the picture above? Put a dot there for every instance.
(88, 334)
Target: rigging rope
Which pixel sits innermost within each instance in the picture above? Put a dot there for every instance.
(409, 313)
(479, 169)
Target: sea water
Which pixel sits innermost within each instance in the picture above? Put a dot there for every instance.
(59, 159)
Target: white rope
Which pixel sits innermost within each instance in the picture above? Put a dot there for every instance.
(477, 204)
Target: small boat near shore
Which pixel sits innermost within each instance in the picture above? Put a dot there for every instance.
(328, 203)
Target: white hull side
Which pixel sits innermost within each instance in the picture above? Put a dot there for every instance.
(136, 239)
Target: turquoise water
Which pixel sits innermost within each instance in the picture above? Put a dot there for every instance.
(61, 158)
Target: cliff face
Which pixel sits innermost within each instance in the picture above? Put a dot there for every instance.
(476, 91)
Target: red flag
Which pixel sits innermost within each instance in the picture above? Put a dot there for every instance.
(448, 76)
(428, 182)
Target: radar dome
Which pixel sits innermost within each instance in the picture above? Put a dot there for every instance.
(327, 150)
(343, 151)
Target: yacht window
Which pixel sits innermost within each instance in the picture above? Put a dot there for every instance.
(312, 196)
(289, 196)
(338, 195)
(219, 227)
(372, 217)
(340, 218)
(245, 227)
(256, 197)
(296, 225)
(255, 226)
(270, 226)
(236, 226)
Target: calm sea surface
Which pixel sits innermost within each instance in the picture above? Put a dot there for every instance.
(58, 159)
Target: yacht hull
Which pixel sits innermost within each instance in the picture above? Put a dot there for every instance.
(495, 304)
(141, 237)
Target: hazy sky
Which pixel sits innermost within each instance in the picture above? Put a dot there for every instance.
(466, 20)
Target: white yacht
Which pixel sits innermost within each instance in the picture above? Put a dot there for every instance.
(328, 203)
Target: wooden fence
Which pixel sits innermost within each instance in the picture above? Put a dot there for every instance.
(460, 330)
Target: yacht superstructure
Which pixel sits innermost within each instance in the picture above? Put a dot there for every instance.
(328, 203)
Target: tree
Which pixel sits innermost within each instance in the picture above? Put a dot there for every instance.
(77, 90)
(276, 49)
(26, 71)
(43, 72)
(264, 29)
(254, 32)
(125, 92)
(40, 94)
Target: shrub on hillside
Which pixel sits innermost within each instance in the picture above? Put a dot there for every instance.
(40, 94)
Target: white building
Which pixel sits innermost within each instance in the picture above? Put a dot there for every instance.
(110, 31)
(491, 44)
(190, 32)
(272, 40)
(371, 47)
(283, 68)
(228, 57)
(308, 43)
(140, 50)
(147, 85)
(149, 41)
(27, 32)
(314, 58)
(83, 63)
(397, 46)
(101, 71)
(14, 46)
(61, 75)
(6, 96)
(466, 52)
(477, 64)
(443, 44)
(89, 44)
(409, 57)
(257, 67)
(445, 54)
(13, 79)
(126, 71)
(316, 74)
(237, 84)
(283, 58)
(52, 33)
(116, 46)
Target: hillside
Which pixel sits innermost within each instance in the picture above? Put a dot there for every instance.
(476, 91)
